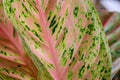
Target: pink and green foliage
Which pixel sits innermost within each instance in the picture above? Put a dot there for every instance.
(111, 24)
(13, 59)
(112, 29)
(63, 38)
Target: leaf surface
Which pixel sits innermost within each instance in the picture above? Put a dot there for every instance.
(64, 36)
(14, 63)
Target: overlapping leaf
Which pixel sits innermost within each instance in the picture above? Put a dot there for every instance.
(111, 24)
(14, 63)
(112, 29)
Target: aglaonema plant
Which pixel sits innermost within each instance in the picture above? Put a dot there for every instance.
(112, 29)
(62, 39)
(13, 59)
(111, 24)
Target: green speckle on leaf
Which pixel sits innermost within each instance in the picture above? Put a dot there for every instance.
(4, 53)
(26, 27)
(66, 13)
(50, 66)
(58, 7)
(81, 71)
(4, 69)
(91, 27)
(36, 34)
(70, 75)
(53, 21)
(70, 52)
(54, 28)
(50, 14)
(38, 26)
(75, 12)
(65, 32)
(22, 74)
(11, 1)
(64, 61)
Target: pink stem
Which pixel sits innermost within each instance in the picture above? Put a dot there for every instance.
(44, 25)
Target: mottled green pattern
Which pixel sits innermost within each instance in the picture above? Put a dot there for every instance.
(65, 40)
(12, 65)
(4, 77)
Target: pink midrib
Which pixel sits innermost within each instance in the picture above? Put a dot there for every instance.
(11, 39)
(53, 52)
(25, 62)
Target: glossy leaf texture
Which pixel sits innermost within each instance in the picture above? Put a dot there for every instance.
(14, 63)
(64, 38)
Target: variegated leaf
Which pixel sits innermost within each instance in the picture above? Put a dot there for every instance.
(63, 36)
(14, 63)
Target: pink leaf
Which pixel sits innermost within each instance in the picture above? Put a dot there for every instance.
(65, 36)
